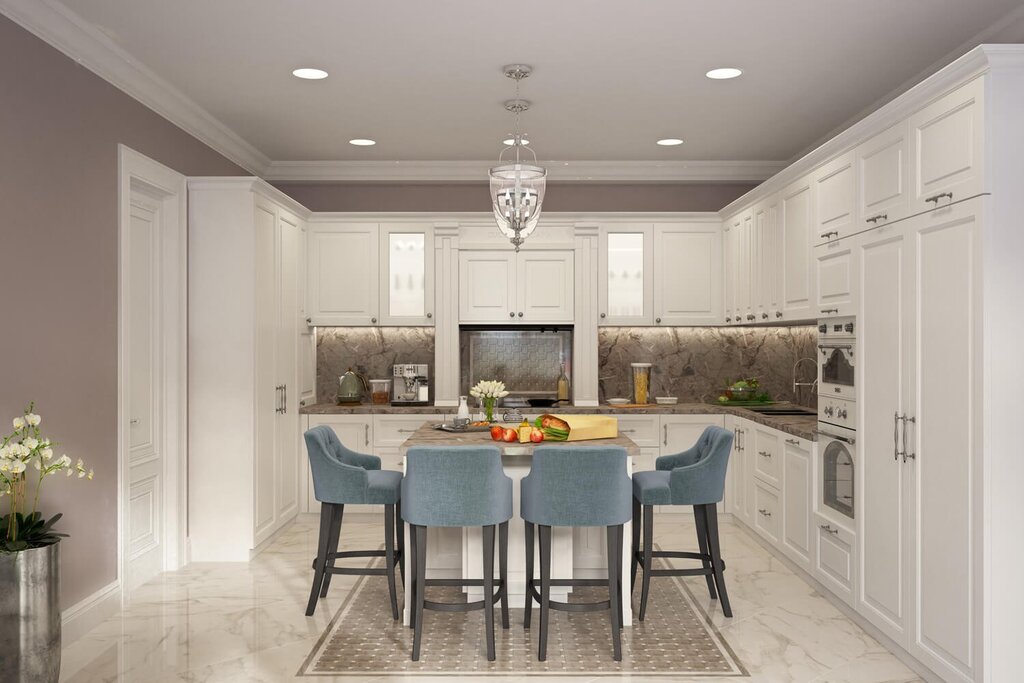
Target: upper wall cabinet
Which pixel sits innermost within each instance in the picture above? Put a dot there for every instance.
(406, 274)
(370, 274)
(737, 236)
(835, 188)
(500, 287)
(947, 148)
(766, 261)
(882, 178)
(687, 273)
(626, 263)
(796, 218)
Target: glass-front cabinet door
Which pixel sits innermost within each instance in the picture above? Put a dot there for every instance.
(406, 274)
(626, 268)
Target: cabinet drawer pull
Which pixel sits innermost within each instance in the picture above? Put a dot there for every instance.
(627, 431)
(795, 442)
(778, 314)
(764, 513)
(520, 314)
(936, 198)
(728, 319)
(764, 315)
(406, 431)
(875, 219)
(366, 434)
(826, 311)
(430, 315)
(511, 314)
(764, 454)
(751, 316)
(830, 233)
(665, 431)
(828, 528)
(657, 320)
(604, 315)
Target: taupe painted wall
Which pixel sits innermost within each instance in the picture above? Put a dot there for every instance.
(60, 125)
(473, 197)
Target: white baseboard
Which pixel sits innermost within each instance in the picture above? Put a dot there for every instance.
(85, 615)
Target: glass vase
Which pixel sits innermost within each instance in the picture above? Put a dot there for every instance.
(489, 409)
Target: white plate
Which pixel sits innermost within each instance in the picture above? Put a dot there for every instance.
(618, 401)
(666, 400)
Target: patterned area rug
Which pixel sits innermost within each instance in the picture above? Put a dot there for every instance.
(675, 639)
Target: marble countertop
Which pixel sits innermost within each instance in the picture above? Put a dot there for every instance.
(802, 426)
(428, 436)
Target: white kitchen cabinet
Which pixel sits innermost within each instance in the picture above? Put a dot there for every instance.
(741, 491)
(883, 178)
(680, 432)
(833, 565)
(343, 284)
(796, 218)
(506, 287)
(307, 336)
(836, 279)
(835, 203)
(947, 148)
(737, 287)
(406, 274)
(244, 320)
(767, 456)
(767, 511)
(355, 433)
(766, 256)
(626, 264)
(797, 491)
(687, 273)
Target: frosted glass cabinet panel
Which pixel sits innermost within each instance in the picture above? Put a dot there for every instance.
(626, 296)
(407, 274)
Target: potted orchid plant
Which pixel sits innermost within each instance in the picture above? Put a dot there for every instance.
(488, 392)
(29, 559)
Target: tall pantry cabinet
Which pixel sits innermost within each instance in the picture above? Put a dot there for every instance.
(245, 328)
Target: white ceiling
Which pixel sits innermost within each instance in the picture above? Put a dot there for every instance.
(424, 78)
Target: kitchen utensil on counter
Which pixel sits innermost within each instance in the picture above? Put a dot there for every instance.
(380, 391)
(641, 382)
(666, 400)
(543, 402)
(618, 401)
(351, 386)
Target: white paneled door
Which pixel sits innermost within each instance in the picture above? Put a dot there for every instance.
(152, 367)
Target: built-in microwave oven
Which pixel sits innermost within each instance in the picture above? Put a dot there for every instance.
(837, 344)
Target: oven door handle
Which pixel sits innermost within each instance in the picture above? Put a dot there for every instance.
(844, 347)
(844, 439)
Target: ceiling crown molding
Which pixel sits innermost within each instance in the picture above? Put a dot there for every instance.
(81, 41)
(558, 171)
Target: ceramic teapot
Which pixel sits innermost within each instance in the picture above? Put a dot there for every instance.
(351, 386)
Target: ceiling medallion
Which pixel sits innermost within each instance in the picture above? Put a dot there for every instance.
(517, 188)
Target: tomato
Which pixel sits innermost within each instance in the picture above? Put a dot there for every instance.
(536, 435)
(497, 432)
(510, 435)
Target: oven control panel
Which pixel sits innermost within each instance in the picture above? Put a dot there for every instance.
(837, 328)
(837, 411)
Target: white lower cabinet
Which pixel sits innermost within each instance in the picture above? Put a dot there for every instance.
(766, 511)
(797, 489)
(738, 493)
(834, 557)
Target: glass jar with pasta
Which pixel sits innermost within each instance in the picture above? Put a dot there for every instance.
(641, 383)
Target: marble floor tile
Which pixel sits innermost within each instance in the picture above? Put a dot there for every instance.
(225, 622)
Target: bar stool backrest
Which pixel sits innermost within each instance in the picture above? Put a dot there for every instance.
(339, 475)
(698, 473)
(456, 486)
(577, 486)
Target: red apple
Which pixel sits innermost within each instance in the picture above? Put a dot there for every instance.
(536, 435)
(497, 432)
(510, 435)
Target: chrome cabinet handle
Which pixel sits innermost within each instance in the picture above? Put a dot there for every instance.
(829, 310)
(904, 453)
(764, 513)
(764, 454)
(309, 321)
(430, 315)
(133, 421)
(778, 314)
(896, 436)
(406, 431)
(665, 439)
(373, 320)
(795, 442)
(828, 528)
(657, 320)
(627, 431)
(366, 434)
(936, 198)
(764, 316)
(728, 319)
(277, 390)
(604, 315)
(830, 233)
(520, 314)
(284, 400)
(875, 219)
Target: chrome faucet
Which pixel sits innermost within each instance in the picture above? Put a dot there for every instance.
(797, 385)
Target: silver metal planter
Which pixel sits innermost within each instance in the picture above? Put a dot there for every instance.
(30, 615)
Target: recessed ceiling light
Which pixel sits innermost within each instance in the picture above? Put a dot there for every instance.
(510, 142)
(723, 73)
(310, 74)
(670, 142)
(362, 142)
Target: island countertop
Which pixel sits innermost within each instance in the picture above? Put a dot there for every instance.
(426, 435)
(802, 426)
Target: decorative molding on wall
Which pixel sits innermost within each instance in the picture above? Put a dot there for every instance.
(558, 171)
(84, 43)
(87, 614)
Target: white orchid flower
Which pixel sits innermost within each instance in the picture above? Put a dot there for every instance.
(46, 453)
(19, 423)
(17, 466)
(63, 461)
(33, 419)
(30, 442)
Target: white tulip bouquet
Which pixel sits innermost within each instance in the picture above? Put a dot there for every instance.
(488, 392)
(22, 451)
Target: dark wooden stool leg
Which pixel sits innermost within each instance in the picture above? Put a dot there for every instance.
(648, 549)
(711, 512)
(635, 548)
(335, 536)
(528, 612)
(323, 547)
(701, 522)
(620, 535)
(614, 601)
(400, 539)
(503, 571)
(545, 590)
(389, 556)
(421, 576)
(411, 607)
(488, 548)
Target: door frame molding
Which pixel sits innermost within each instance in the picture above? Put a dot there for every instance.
(138, 172)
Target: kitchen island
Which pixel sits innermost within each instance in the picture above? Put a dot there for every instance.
(575, 553)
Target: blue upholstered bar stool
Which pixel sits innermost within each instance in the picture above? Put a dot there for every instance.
(457, 486)
(573, 486)
(342, 477)
(694, 477)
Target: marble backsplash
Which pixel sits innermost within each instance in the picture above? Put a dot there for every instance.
(696, 363)
(370, 351)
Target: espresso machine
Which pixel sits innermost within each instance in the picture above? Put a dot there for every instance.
(410, 386)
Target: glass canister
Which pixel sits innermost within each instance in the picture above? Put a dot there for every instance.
(380, 391)
(641, 383)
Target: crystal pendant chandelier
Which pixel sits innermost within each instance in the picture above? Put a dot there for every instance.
(517, 188)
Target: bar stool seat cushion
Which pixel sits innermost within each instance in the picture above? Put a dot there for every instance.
(383, 487)
(652, 487)
(574, 486)
(455, 486)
